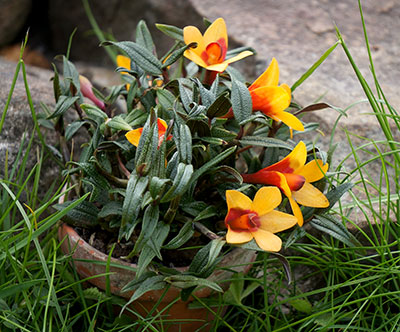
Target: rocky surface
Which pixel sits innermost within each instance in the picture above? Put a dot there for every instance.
(18, 121)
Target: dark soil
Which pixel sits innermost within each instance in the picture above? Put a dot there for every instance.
(103, 241)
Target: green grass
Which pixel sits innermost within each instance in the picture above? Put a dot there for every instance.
(335, 287)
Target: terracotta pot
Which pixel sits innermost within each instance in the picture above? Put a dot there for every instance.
(179, 316)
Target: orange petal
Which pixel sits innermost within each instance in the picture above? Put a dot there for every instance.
(270, 99)
(133, 136)
(123, 61)
(236, 200)
(162, 125)
(308, 195)
(287, 88)
(313, 171)
(213, 54)
(269, 78)
(215, 32)
(192, 34)
(294, 181)
(267, 241)
(266, 199)
(238, 237)
(239, 56)
(296, 211)
(293, 161)
(268, 178)
(288, 119)
(277, 221)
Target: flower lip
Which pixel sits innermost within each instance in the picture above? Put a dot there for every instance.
(242, 220)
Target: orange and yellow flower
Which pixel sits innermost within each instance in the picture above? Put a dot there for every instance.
(294, 177)
(257, 219)
(271, 99)
(211, 47)
(133, 136)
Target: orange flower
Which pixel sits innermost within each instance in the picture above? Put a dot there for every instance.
(133, 136)
(211, 47)
(256, 219)
(87, 91)
(294, 177)
(272, 99)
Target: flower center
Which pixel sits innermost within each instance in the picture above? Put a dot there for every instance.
(242, 220)
(215, 52)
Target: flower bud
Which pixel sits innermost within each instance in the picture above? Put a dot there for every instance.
(87, 91)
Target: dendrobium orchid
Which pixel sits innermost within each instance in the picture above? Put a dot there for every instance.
(87, 91)
(271, 99)
(133, 136)
(211, 47)
(256, 219)
(294, 177)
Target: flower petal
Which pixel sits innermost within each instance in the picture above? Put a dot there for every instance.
(277, 221)
(267, 241)
(287, 88)
(293, 161)
(219, 67)
(215, 32)
(268, 178)
(238, 237)
(239, 56)
(236, 200)
(270, 100)
(313, 171)
(123, 61)
(308, 195)
(133, 136)
(266, 199)
(294, 181)
(269, 78)
(296, 211)
(289, 119)
(191, 55)
(193, 35)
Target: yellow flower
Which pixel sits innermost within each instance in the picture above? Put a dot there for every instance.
(211, 47)
(294, 177)
(271, 99)
(125, 62)
(256, 219)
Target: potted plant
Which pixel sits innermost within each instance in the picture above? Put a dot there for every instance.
(188, 170)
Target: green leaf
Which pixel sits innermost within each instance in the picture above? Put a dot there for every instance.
(63, 104)
(185, 144)
(207, 97)
(71, 74)
(93, 111)
(18, 288)
(110, 209)
(180, 183)
(149, 284)
(212, 163)
(333, 227)
(186, 92)
(208, 212)
(171, 31)
(241, 101)
(72, 128)
(157, 186)
(234, 294)
(149, 224)
(85, 214)
(119, 123)
(302, 305)
(184, 235)
(313, 67)
(139, 55)
(186, 281)
(131, 206)
(143, 36)
(165, 98)
(176, 55)
(219, 107)
(267, 142)
(206, 258)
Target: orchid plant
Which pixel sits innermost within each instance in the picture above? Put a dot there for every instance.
(185, 148)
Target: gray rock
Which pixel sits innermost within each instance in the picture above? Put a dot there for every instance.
(18, 121)
(13, 14)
